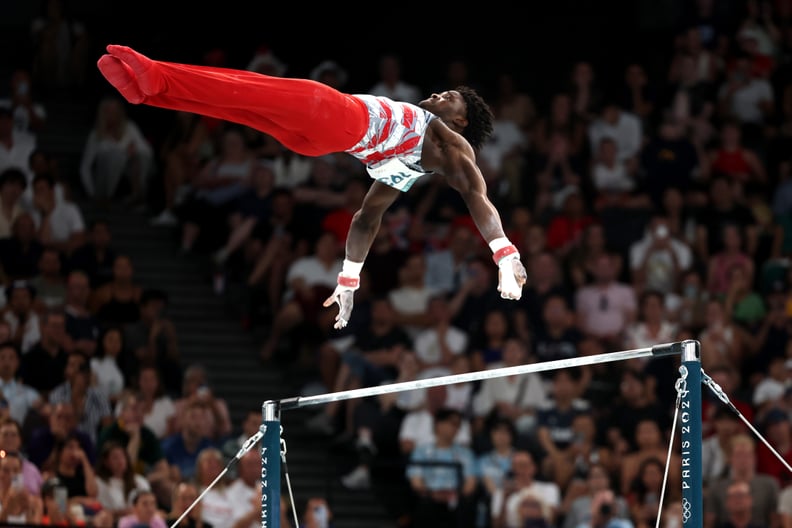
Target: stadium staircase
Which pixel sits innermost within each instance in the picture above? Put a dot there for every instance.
(210, 334)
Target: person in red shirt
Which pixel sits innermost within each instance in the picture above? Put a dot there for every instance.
(778, 431)
(566, 229)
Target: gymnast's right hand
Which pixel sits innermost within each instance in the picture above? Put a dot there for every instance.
(343, 295)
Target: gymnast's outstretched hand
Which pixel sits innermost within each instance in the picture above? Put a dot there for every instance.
(511, 278)
(345, 297)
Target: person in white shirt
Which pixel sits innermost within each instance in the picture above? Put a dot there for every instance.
(624, 127)
(436, 346)
(505, 504)
(60, 223)
(245, 491)
(115, 148)
(392, 85)
(16, 146)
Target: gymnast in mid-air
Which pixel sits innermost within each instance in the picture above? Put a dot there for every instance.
(398, 142)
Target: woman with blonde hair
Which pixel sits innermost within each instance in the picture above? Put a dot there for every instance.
(115, 148)
(217, 506)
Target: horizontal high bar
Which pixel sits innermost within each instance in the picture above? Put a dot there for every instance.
(667, 349)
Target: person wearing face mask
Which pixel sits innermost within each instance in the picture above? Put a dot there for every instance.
(29, 114)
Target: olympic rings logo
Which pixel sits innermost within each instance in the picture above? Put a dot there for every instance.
(686, 513)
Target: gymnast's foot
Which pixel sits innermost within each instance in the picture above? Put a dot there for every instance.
(122, 77)
(148, 78)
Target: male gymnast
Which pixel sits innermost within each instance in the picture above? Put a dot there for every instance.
(398, 142)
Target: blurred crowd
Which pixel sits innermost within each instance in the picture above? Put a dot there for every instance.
(648, 208)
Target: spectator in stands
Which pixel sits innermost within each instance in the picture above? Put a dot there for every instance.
(11, 442)
(217, 504)
(250, 426)
(670, 160)
(624, 127)
(391, 83)
(446, 269)
(778, 431)
(715, 447)
(445, 496)
(106, 368)
(763, 489)
(494, 462)
(584, 508)
(634, 405)
(651, 444)
(17, 145)
(723, 209)
(739, 164)
(144, 511)
(187, 145)
(739, 506)
(21, 316)
(96, 257)
(81, 326)
(643, 496)
(19, 254)
(724, 340)
(733, 253)
(744, 96)
(742, 302)
(558, 337)
(608, 306)
(253, 206)
(658, 260)
(30, 114)
(578, 262)
(310, 279)
(614, 180)
(554, 425)
(566, 226)
(153, 339)
(116, 480)
(43, 365)
(417, 427)
(20, 506)
(513, 398)
(159, 411)
(586, 90)
(60, 224)
(61, 424)
(220, 182)
(506, 499)
(476, 298)
(115, 150)
(49, 283)
(485, 347)
(12, 185)
(184, 496)
(118, 301)
(142, 446)
(71, 466)
(181, 449)
(545, 278)
(370, 359)
(245, 491)
(561, 119)
(91, 403)
(441, 341)
(196, 386)
(651, 327)
(20, 398)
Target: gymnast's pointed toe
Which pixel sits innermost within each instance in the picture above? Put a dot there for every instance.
(122, 77)
(148, 79)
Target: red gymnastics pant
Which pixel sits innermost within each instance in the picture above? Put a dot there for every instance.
(306, 116)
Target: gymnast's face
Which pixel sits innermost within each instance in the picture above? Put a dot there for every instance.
(448, 106)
